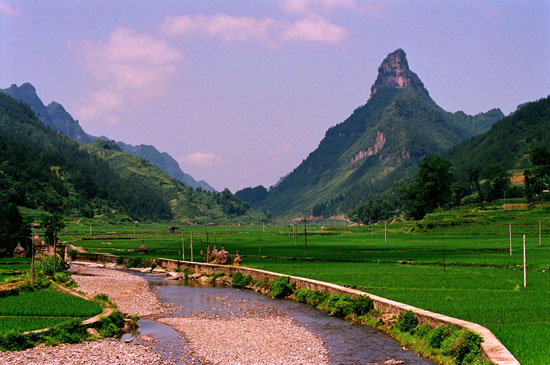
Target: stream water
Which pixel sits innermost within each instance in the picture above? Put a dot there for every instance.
(347, 343)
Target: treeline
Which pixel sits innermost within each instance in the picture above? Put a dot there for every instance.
(435, 186)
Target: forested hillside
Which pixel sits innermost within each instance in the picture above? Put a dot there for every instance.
(508, 143)
(41, 168)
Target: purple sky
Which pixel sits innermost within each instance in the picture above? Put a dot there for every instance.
(240, 92)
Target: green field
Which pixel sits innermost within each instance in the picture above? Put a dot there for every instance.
(454, 262)
(42, 309)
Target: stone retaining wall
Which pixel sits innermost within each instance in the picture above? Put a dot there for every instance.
(491, 347)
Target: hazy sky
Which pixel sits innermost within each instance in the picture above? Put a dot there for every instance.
(239, 92)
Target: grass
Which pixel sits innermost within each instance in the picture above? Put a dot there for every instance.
(47, 303)
(482, 282)
(21, 324)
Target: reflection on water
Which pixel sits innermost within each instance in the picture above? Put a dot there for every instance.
(347, 343)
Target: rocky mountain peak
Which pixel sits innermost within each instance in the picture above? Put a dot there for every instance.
(394, 73)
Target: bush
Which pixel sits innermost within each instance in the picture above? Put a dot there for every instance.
(440, 334)
(62, 277)
(68, 332)
(462, 345)
(134, 262)
(45, 265)
(119, 260)
(281, 287)
(14, 341)
(338, 305)
(407, 322)
(110, 326)
(73, 254)
(362, 305)
(240, 281)
(301, 295)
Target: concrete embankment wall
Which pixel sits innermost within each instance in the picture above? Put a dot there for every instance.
(491, 347)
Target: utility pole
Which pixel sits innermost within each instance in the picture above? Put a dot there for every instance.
(510, 225)
(305, 234)
(191, 245)
(182, 244)
(259, 245)
(524, 265)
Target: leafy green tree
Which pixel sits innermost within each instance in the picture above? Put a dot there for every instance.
(473, 176)
(13, 229)
(497, 181)
(430, 188)
(53, 224)
(540, 158)
(458, 191)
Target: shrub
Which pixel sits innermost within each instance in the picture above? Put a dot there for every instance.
(440, 334)
(214, 276)
(281, 287)
(110, 326)
(362, 305)
(134, 262)
(14, 341)
(68, 332)
(62, 277)
(406, 322)
(240, 281)
(153, 266)
(119, 260)
(423, 330)
(301, 295)
(45, 265)
(462, 344)
(73, 254)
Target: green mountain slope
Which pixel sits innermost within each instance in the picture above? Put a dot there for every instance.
(381, 142)
(41, 168)
(56, 117)
(508, 142)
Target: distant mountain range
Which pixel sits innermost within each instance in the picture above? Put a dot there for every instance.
(56, 117)
(380, 143)
(41, 168)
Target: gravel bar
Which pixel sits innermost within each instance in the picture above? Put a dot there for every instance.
(131, 293)
(108, 351)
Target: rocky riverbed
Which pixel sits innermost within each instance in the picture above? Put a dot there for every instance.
(255, 337)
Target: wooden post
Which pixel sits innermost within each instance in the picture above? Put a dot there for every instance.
(524, 265)
(510, 225)
(32, 261)
(305, 234)
(385, 231)
(90, 229)
(259, 245)
(191, 244)
(295, 232)
(183, 244)
(540, 236)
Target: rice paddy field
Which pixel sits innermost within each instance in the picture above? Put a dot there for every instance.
(458, 262)
(42, 309)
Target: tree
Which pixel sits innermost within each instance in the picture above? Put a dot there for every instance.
(13, 229)
(458, 191)
(430, 188)
(473, 175)
(540, 158)
(53, 224)
(497, 181)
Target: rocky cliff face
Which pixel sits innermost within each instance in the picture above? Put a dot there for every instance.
(394, 73)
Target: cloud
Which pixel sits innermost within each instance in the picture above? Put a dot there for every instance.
(8, 9)
(267, 31)
(315, 6)
(128, 68)
(201, 159)
(314, 29)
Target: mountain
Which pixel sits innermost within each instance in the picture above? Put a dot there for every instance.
(42, 168)
(508, 142)
(165, 162)
(57, 118)
(380, 142)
